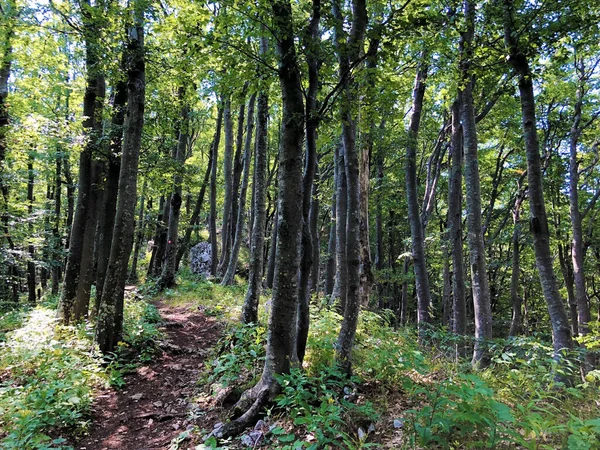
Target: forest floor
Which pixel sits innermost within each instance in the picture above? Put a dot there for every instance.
(154, 408)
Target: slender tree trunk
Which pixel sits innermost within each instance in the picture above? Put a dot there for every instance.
(250, 309)
(241, 205)
(313, 219)
(479, 276)
(379, 252)
(561, 332)
(167, 277)
(56, 262)
(31, 281)
(110, 316)
(310, 168)
(213, 193)
(414, 218)
(516, 324)
(238, 165)
(228, 181)
(133, 274)
(92, 124)
(340, 284)
(160, 218)
(70, 198)
(347, 54)
(577, 252)
(281, 341)
(106, 219)
(331, 246)
(194, 219)
(86, 275)
(272, 249)
(455, 232)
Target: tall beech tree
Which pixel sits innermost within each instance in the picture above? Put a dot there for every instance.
(79, 242)
(518, 59)
(110, 315)
(257, 238)
(281, 339)
(479, 275)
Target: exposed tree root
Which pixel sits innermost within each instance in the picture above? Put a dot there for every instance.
(253, 402)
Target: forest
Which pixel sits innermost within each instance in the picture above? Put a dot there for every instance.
(299, 224)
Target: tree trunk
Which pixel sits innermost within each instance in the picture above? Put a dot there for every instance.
(167, 277)
(31, 282)
(56, 262)
(455, 233)
(348, 53)
(238, 165)
(86, 275)
(281, 348)
(106, 219)
(250, 309)
(313, 219)
(241, 205)
(110, 316)
(479, 277)
(414, 218)
(214, 151)
(185, 243)
(331, 246)
(310, 167)
(133, 274)
(272, 249)
(516, 324)
(561, 332)
(577, 251)
(340, 284)
(93, 125)
(228, 181)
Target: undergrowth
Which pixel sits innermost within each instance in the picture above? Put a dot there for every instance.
(515, 403)
(48, 373)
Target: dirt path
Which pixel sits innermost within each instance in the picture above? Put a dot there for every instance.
(154, 406)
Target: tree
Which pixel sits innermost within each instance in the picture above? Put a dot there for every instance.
(561, 333)
(110, 315)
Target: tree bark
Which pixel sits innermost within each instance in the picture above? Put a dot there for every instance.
(106, 220)
(331, 246)
(455, 232)
(250, 308)
(340, 284)
(414, 218)
(110, 316)
(561, 332)
(281, 348)
(516, 324)
(56, 262)
(92, 124)
(167, 277)
(577, 251)
(310, 167)
(133, 274)
(31, 280)
(214, 151)
(479, 277)
(348, 53)
(228, 181)
(241, 204)
(238, 165)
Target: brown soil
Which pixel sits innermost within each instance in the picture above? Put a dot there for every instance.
(156, 404)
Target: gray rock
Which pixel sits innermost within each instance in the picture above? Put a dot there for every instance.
(201, 259)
